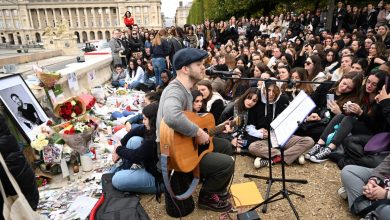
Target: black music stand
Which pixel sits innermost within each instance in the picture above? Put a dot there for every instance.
(295, 112)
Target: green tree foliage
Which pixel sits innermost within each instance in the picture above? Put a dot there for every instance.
(223, 9)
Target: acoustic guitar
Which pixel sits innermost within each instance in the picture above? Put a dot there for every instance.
(183, 153)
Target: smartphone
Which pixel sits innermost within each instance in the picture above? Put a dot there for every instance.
(329, 97)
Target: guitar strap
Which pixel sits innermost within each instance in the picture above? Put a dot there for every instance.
(190, 190)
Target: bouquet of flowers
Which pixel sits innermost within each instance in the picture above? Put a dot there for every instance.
(78, 132)
(70, 108)
(49, 79)
(88, 100)
(48, 143)
(44, 135)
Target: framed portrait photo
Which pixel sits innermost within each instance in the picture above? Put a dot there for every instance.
(21, 104)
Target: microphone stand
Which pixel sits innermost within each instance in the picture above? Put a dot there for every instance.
(270, 179)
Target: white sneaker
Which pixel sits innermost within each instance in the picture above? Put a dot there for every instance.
(260, 162)
(301, 159)
(342, 193)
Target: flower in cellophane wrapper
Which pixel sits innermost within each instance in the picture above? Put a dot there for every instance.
(88, 100)
(48, 79)
(44, 136)
(70, 108)
(78, 133)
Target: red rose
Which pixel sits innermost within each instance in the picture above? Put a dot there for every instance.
(68, 105)
(78, 110)
(68, 111)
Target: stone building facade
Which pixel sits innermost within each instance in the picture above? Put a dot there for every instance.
(24, 21)
(182, 14)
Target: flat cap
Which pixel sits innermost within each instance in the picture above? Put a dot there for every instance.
(186, 56)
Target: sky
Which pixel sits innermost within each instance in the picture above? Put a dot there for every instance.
(168, 7)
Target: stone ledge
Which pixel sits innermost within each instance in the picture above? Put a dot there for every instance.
(101, 66)
(30, 57)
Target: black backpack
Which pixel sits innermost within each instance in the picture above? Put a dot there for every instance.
(118, 205)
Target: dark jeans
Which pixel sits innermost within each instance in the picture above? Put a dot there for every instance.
(348, 124)
(217, 167)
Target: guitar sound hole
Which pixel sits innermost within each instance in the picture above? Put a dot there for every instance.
(202, 147)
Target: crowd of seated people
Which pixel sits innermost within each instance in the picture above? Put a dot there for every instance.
(350, 63)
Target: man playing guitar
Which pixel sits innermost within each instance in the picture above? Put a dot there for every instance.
(216, 169)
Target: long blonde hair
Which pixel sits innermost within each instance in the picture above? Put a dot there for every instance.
(157, 39)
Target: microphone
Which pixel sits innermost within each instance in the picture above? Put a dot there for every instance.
(212, 72)
(290, 83)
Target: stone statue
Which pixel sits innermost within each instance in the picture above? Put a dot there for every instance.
(62, 28)
(48, 31)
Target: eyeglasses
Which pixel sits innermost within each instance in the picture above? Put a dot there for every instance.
(308, 63)
(134, 34)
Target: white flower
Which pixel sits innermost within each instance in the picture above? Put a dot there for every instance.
(39, 144)
(41, 137)
(73, 115)
(73, 102)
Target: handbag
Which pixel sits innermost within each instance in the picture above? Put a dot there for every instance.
(378, 143)
(16, 207)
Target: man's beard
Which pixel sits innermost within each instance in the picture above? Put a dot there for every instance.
(194, 78)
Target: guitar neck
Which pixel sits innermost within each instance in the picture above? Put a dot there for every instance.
(219, 128)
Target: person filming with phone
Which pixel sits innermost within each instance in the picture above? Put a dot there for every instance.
(330, 99)
(361, 116)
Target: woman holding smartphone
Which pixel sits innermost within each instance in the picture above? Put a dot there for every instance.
(344, 90)
(360, 117)
(364, 117)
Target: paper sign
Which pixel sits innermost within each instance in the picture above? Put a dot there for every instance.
(72, 81)
(82, 206)
(91, 76)
(64, 168)
(52, 96)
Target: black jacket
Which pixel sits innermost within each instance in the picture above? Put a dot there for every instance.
(383, 170)
(261, 117)
(146, 154)
(19, 168)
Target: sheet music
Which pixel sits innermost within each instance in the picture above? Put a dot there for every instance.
(288, 121)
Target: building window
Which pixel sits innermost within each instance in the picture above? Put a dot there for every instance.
(1, 12)
(137, 9)
(115, 22)
(17, 24)
(107, 11)
(108, 23)
(92, 11)
(138, 20)
(27, 37)
(129, 9)
(9, 24)
(100, 11)
(146, 20)
(6, 13)
(146, 9)
(15, 12)
(1, 25)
